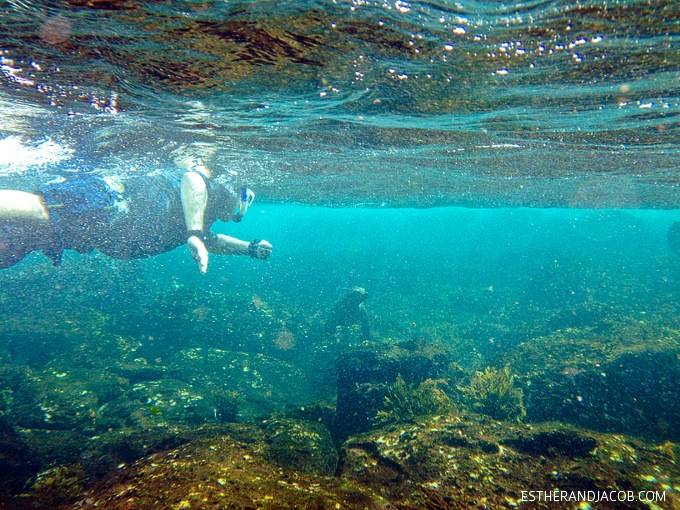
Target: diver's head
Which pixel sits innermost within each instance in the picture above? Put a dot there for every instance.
(236, 199)
(246, 197)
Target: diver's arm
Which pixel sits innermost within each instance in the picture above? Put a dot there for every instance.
(225, 245)
(194, 196)
(19, 205)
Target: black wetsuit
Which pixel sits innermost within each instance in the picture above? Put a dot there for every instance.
(142, 218)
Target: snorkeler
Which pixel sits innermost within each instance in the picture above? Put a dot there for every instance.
(126, 218)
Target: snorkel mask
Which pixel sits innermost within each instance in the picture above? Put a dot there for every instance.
(246, 197)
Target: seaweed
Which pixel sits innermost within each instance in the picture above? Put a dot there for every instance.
(58, 486)
(407, 402)
(493, 392)
(226, 405)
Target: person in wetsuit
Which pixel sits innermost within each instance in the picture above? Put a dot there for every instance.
(126, 218)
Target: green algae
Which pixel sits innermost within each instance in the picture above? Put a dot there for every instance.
(493, 392)
(407, 402)
(58, 486)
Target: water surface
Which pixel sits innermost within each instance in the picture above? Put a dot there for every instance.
(541, 104)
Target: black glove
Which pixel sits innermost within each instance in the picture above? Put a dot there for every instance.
(258, 249)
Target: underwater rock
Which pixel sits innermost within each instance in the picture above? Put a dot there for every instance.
(35, 348)
(462, 460)
(17, 463)
(579, 316)
(358, 408)
(55, 400)
(63, 447)
(133, 445)
(57, 486)
(322, 412)
(602, 397)
(138, 371)
(222, 472)
(19, 397)
(184, 319)
(198, 386)
(365, 378)
(619, 372)
(265, 384)
(443, 462)
(552, 444)
(171, 402)
(300, 445)
(99, 455)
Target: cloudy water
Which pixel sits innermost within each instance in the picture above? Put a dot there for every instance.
(501, 180)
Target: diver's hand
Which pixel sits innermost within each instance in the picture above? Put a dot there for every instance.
(259, 249)
(199, 252)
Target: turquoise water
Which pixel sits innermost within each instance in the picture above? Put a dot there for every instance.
(553, 258)
(501, 178)
(320, 251)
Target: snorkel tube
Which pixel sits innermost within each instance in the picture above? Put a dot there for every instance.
(246, 197)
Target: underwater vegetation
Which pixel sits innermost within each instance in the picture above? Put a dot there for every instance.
(57, 486)
(226, 405)
(493, 392)
(407, 402)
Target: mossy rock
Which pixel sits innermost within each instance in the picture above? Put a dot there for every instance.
(300, 445)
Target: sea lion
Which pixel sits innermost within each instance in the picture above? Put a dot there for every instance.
(349, 311)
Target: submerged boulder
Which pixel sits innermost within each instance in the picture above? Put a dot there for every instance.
(620, 379)
(17, 463)
(300, 445)
(223, 471)
(462, 460)
(365, 378)
(602, 397)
